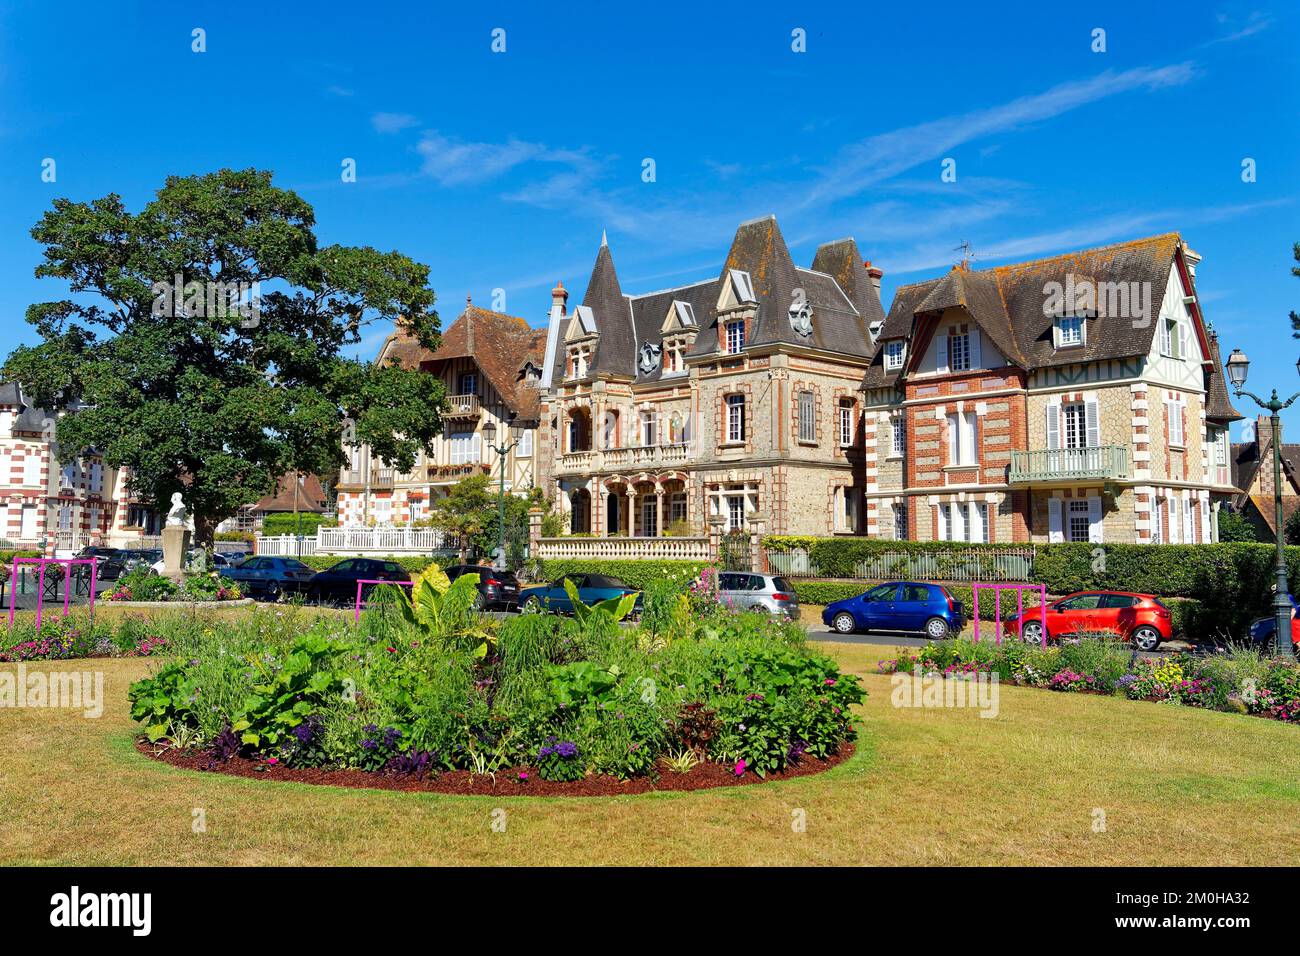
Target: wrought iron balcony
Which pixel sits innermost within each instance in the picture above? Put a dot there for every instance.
(1095, 463)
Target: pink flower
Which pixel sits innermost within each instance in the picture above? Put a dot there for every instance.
(523, 775)
(829, 682)
(740, 768)
(272, 760)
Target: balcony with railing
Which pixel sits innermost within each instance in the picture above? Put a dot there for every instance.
(382, 478)
(351, 478)
(1094, 463)
(578, 462)
(462, 406)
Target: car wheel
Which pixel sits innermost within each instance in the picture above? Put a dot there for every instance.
(844, 623)
(533, 606)
(936, 628)
(1032, 632)
(1146, 638)
(272, 591)
(478, 601)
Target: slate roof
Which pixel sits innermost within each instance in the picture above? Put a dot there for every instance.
(838, 287)
(30, 418)
(1218, 407)
(499, 344)
(310, 496)
(1007, 302)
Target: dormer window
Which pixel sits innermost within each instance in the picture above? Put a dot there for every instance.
(1069, 331)
(874, 330)
(468, 383)
(579, 361)
(894, 353)
(735, 337)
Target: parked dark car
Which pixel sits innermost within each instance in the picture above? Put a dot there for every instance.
(109, 562)
(133, 558)
(592, 588)
(270, 577)
(898, 606)
(338, 584)
(1262, 629)
(496, 589)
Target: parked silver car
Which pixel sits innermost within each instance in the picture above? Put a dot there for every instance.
(745, 591)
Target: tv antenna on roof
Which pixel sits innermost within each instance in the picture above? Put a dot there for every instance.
(967, 252)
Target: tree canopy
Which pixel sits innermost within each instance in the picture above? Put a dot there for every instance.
(216, 385)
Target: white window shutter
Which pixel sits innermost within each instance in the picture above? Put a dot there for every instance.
(1054, 531)
(954, 439)
(1184, 334)
(1094, 520)
(958, 518)
(941, 512)
(942, 360)
(1189, 521)
(976, 522)
(1053, 426)
(975, 337)
(968, 436)
(1206, 527)
(1092, 417)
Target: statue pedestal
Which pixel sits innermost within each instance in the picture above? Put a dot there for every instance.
(176, 545)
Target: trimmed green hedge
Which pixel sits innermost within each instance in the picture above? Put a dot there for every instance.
(307, 523)
(633, 573)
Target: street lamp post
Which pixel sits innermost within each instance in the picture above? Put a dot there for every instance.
(1238, 365)
(490, 432)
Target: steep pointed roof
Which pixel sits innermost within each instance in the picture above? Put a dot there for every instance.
(1218, 406)
(499, 344)
(842, 261)
(613, 316)
(759, 250)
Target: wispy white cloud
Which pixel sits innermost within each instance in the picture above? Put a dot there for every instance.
(1256, 21)
(880, 157)
(393, 122)
(454, 162)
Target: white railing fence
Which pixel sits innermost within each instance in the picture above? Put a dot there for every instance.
(681, 549)
(360, 541)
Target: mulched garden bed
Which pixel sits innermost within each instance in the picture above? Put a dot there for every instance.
(703, 776)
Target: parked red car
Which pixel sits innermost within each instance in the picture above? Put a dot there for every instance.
(1140, 618)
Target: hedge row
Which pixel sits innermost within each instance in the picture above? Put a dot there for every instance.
(633, 573)
(306, 523)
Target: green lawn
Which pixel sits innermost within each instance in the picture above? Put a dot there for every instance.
(1177, 786)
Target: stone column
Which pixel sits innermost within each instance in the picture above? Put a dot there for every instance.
(534, 530)
(757, 553)
(659, 511)
(631, 510)
(715, 538)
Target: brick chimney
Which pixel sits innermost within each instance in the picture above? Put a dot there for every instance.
(874, 273)
(560, 298)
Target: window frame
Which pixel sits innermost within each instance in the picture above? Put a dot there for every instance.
(736, 414)
(807, 412)
(893, 361)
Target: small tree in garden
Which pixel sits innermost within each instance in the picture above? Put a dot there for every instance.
(471, 512)
(208, 357)
(1235, 527)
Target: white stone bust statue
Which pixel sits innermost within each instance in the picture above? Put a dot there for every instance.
(177, 515)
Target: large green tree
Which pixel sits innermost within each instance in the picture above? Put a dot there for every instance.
(195, 393)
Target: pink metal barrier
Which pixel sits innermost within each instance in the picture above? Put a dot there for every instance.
(1020, 608)
(41, 565)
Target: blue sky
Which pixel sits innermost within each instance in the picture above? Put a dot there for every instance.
(500, 170)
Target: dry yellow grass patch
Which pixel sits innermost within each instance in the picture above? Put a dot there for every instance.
(926, 787)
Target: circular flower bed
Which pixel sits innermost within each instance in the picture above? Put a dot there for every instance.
(143, 586)
(425, 693)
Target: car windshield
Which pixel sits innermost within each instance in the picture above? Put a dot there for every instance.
(603, 581)
(782, 584)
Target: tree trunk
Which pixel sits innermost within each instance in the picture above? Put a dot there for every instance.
(204, 532)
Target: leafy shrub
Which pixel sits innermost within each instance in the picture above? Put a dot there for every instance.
(306, 523)
(558, 760)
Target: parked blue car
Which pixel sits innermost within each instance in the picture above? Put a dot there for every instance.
(269, 577)
(898, 606)
(592, 588)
